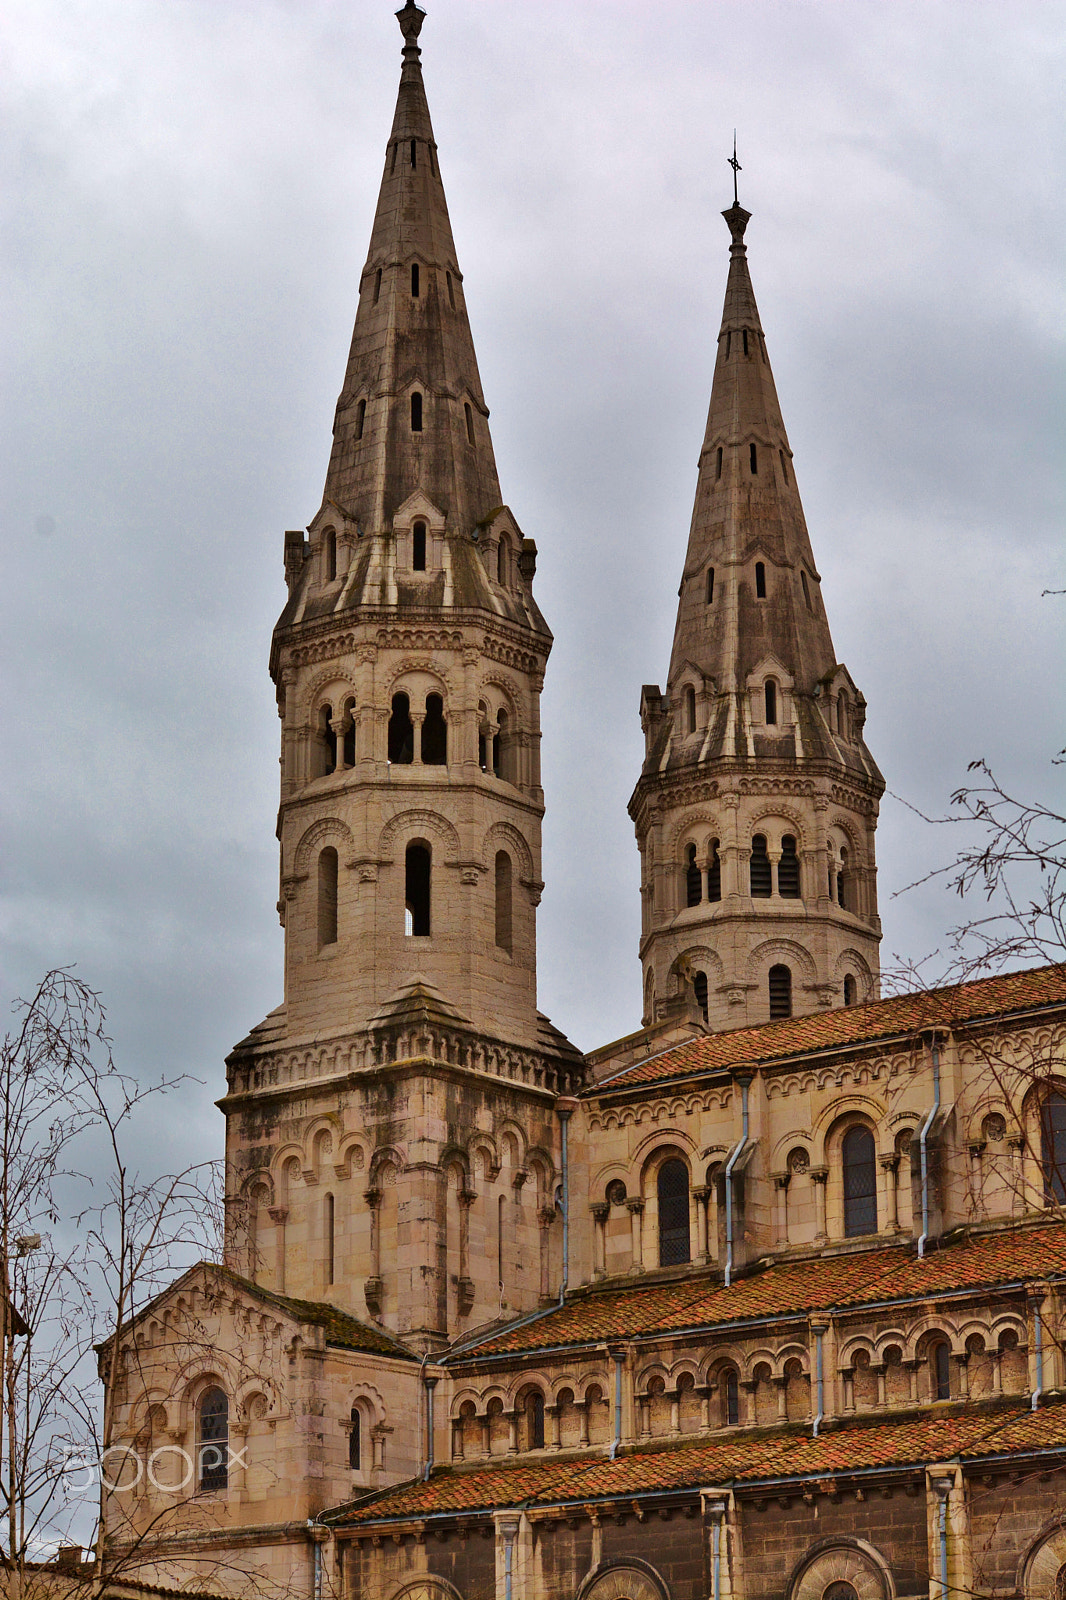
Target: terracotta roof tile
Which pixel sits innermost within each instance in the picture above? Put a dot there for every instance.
(902, 1014)
(342, 1331)
(936, 1435)
(787, 1288)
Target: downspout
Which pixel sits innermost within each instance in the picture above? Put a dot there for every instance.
(819, 1381)
(923, 1147)
(564, 1110)
(617, 1440)
(509, 1531)
(318, 1534)
(943, 1490)
(430, 1385)
(734, 1157)
(716, 1508)
(1038, 1353)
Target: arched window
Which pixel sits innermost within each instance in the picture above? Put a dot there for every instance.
(714, 873)
(718, 463)
(213, 1442)
(693, 878)
(469, 410)
(730, 1397)
(349, 733)
(1053, 1144)
(788, 870)
(327, 897)
(842, 879)
(841, 1590)
(780, 986)
(849, 990)
(501, 561)
(770, 698)
(354, 1441)
(418, 547)
(326, 755)
(329, 555)
(416, 412)
(699, 987)
(416, 891)
(503, 901)
(434, 733)
(859, 1161)
(331, 1259)
(414, 280)
(360, 414)
(672, 1189)
(760, 580)
(535, 1420)
(710, 586)
(401, 731)
(414, 153)
(940, 1370)
(689, 704)
(759, 873)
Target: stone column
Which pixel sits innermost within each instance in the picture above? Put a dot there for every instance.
(583, 1422)
(417, 719)
(600, 1213)
(912, 1373)
(701, 1195)
(372, 1288)
(552, 1415)
(890, 1168)
(279, 1216)
(963, 1364)
(847, 1380)
(781, 1385)
(1019, 1198)
(819, 1176)
(882, 1392)
(636, 1214)
(781, 1181)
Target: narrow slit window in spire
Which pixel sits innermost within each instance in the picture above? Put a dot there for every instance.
(693, 878)
(469, 410)
(770, 697)
(760, 576)
(451, 290)
(690, 708)
(360, 419)
(377, 286)
(416, 412)
(753, 456)
(805, 586)
(714, 873)
(710, 586)
(728, 344)
(418, 547)
(415, 284)
(784, 465)
(414, 154)
(718, 465)
(745, 338)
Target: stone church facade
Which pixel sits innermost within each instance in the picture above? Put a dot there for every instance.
(763, 1302)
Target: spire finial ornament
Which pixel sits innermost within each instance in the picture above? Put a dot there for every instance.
(736, 216)
(411, 19)
(731, 161)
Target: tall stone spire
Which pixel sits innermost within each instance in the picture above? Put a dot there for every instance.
(408, 1073)
(756, 808)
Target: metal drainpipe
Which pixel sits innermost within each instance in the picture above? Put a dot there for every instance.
(943, 1492)
(819, 1379)
(509, 1531)
(717, 1510)
(564, 1113)
(745, 1084)
(1038, 1341)
(618, 1360)
(922, 1137)
(430, 1385)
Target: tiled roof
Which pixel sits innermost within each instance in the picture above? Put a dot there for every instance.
(849, 1025)
(820, 1283)
(936, 1435)
(342, 1331)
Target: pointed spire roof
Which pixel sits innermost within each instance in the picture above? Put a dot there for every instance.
(748, 510)
(411, 415)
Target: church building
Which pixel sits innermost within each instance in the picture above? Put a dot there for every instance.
(764, 1301)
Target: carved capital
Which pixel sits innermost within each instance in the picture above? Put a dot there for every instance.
(278, 1214)
(819, 1174)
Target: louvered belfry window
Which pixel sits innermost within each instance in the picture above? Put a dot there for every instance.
(673, 1213)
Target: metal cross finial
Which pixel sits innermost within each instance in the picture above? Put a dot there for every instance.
(732, 161)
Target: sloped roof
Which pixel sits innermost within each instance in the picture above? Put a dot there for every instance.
(907, 1014)
(937, 1434)
(787, 1288)
(342, 1331)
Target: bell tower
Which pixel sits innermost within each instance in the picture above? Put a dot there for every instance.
(408, 1075)
(757, 804)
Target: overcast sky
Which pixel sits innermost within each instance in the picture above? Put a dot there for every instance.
(188, 191)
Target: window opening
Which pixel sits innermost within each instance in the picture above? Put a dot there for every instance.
(327, 741)
(414, 280)
(401, 731)
(753, 456)
(416, 891)
(672, 1187)
(784, 468)
(718, 467)
(760, 578)
(940, 1370)
(842, 893)
(714, 873)
(806, 591)
(451, 290)
(501, 747)
(759, 872)
(214, 1440)
(432, 163)
(859, 1160)
(349, 733)
(377, 286)
(731, 1397)
(414, 154)
(689, 699)
(354, 1441)
(710, 586)
(849, 990)
(395, 153)
(780, 986)
(728, 344)
(744, 336)
(1053, 1145)
(841, 1590)
(501, 561)
(416, 412)
(331, 1260)
(699, 985)
(360, 419)
(418, 547)
(693, 878)
(327, 898)
(503, 900)
(788, 870)
(434, 733)
(770, 697)
(329, 555)
(535, 1419)
(468, 408)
